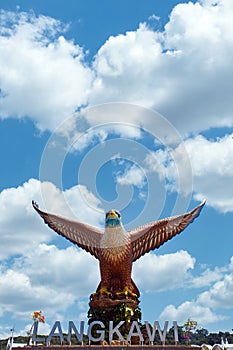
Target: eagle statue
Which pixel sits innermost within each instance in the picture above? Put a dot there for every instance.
(115, 248)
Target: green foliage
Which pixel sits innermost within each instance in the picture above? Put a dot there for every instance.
(188, 327)
(121, 312)
(19, 339)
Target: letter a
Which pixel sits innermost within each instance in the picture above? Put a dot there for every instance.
(137, 333)
(57, 325)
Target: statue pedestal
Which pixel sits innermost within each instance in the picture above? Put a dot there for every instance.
(115, 307)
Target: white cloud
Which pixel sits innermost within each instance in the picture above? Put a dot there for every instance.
(42, 279)
(21, 297)
(132, 176)
(42, 77)
(154, 18)
(169, 271)
(212, 169)
(207, 278)
(22, 230)
(98, 134)
(220, 295)
(184, 72)
(34, 274)
(61, 276)
(205, 307)
(189, 309)
(81, 204)
(124, 66)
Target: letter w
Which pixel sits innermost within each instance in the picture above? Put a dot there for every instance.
(151, 334)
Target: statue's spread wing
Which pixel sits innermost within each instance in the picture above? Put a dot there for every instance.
(154, 234)
(85, 236)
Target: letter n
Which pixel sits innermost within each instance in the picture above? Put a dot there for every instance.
(71, 327)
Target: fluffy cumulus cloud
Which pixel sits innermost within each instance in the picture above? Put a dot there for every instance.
(189, 309)
(207, 277)
(121, 61)
(205, 308)
(43, 279)
(172, 271)
(132, 176)
(212, 169)
(35, 274)
(62, 276)
(177, 71)
(220, 296)
(43, 76)
(184, 71)
(16, 286)
(21, 294)
(22, 230)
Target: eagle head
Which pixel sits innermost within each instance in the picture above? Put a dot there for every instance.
(112, 218)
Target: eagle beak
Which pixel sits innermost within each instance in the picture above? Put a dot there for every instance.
(112, 214)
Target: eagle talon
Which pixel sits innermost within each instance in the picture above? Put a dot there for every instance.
(103, 292)
(126, 293)
(100, 294)
(129, 292)
(93, 296)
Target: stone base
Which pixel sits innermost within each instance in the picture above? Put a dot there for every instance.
(107, 308)
(123, 311)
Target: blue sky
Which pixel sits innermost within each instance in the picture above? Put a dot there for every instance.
(124, 105)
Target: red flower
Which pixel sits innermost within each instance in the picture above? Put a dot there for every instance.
(37, 316)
